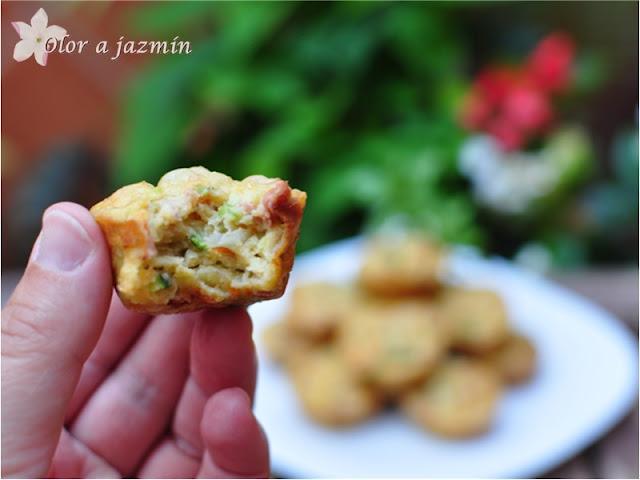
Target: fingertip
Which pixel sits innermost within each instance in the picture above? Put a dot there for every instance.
(226, 314)
(76, 219)
(229, 401)
(81, 215)
(232, 435)
(222, 351)
(232, 323)
(67, 286)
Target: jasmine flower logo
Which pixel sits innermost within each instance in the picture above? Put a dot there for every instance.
(34, 38)
(40, 39)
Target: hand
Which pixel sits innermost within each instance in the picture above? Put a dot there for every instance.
(90, 389)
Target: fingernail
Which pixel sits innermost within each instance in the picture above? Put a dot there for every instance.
(63, 244)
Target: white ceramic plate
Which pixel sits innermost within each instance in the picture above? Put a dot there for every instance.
(587, 380)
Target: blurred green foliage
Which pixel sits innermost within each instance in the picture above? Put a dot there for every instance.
(354, 102)
(351, 102)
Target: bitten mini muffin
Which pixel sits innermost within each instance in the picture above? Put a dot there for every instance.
(477, 318)
(406, 264)
(328, 392)
(201, 239)
(458, 400)
(317, 308)
(392, 345)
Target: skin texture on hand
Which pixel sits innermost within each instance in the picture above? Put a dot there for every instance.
(91, 389)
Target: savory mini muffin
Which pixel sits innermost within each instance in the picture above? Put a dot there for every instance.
(282, 344)
(328, 392)
(477, 318)
(458, 400)
(515, 360)
(200, 239)
(392, 345)
(317, 308)
(405, 264)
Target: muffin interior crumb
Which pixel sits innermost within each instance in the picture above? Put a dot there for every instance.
(217, 242)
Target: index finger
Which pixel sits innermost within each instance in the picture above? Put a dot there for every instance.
(222, 351)
(222, 356)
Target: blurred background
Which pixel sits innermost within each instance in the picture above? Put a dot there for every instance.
(511, 127)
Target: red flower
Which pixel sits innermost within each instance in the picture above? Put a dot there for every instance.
(513, 104)
(494, 83)
(506, 133)
(549, 65)
(527, 108)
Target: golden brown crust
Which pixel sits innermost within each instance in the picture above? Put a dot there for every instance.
(392, 345)
(477, 318)
(284, 345)
(400, 265)
(328, 392)
(458, 400)
(318, 308)
(127, 222)
(515, 360)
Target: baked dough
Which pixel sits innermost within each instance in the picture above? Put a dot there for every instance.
(401, 264)
(317, 309)
(515, 360)
(328, 392)
(458, 400)
(392, 345)
(478, 318)
(201, 239)
(283, 344)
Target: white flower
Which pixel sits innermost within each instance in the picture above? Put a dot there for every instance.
(506, 182)
(34, 37)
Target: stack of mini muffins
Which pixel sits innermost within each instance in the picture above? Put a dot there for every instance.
(400, 336)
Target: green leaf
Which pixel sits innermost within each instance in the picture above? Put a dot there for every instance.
(169, 18)
(245, 26)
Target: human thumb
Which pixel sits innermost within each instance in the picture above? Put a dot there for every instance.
(49, 327)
